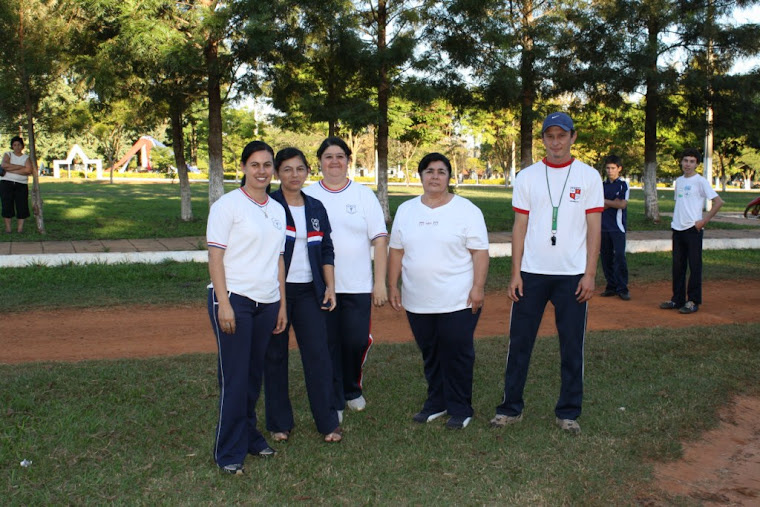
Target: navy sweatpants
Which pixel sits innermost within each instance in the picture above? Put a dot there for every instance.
(308, 322)
(570, 317)
(240, 372)
(614, 264)
(349, 339)
(687, 253)
(448, 354)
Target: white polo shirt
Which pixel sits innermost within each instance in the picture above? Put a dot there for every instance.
(582, 194)
(356, 219)
(690, 195)
(252, 236)
(437, 269)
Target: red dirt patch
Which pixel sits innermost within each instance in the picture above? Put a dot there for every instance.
(723, 467)
(145, 331)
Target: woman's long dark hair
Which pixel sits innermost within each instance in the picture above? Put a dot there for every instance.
(249, 150)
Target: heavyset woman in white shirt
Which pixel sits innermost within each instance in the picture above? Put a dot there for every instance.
(439, 247)
(358, 231)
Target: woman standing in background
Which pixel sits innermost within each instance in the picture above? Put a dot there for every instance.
(14, 185)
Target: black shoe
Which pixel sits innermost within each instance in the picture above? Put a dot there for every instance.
(608, 293)
(458, 422)
(266, 452)
(425, 416)
(625, 296)
(668, 305)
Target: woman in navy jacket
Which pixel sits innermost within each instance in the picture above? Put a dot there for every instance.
(310, 292)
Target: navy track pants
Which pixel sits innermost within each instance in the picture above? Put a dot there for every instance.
(349, 339)
(448, 354)
(308, 321)
(240, 370)
(570, 318)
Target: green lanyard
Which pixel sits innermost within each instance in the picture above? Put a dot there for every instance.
(555, 209)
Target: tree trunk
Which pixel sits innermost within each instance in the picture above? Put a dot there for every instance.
(649, 175)
(383, 96)
(178, 145)
(528, 92)
(193, 143)
(36, 195)
(215, 161)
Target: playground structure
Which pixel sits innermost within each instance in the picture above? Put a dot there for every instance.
(77, 152)
(143, 146)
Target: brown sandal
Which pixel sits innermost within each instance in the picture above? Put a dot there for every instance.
(280, 436)
(334, 436)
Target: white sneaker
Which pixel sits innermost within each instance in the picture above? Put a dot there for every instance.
(569, 425)
(357, 404)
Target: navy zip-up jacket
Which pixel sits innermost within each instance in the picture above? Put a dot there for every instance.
(319, 243)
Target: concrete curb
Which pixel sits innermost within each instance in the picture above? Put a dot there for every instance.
(20, 261)
(494, 250)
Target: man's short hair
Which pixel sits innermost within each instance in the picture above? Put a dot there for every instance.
(613, 159)
(691, 152)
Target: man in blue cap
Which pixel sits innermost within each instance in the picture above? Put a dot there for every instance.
(555, 246)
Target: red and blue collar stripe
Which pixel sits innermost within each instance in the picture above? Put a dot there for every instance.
(336, 191)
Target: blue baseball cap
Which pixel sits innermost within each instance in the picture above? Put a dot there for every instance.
(558, 119)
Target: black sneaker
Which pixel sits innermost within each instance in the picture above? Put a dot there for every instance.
(608, 293)
(425, 416)
(266, 452)
(234, 469)
(668, 305)
(625, 296)
(689, 307)
(458, 422)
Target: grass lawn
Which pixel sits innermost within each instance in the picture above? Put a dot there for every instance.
(176, 283)
(140, 431)
(90, 210)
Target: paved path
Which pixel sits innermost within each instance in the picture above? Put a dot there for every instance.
(22, 253)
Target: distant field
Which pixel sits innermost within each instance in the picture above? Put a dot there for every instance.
(97, 210)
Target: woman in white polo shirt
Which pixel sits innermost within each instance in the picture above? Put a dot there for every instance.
(246, 301)
(358, 232)
(439, 248)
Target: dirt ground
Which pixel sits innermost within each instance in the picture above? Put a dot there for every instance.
(722, 468)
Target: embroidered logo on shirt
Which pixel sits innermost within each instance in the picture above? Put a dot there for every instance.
(575, 193)
(315, 224)
(423, 223)
(277, 224)
(351, 209)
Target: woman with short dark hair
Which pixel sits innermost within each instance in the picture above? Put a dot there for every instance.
(439, 248)
(14, 185)
(310, 293)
